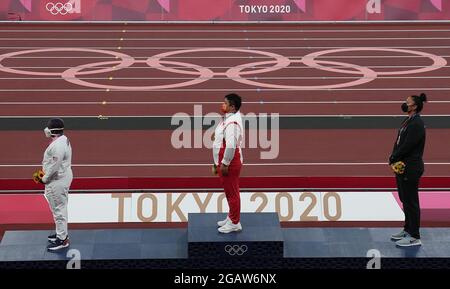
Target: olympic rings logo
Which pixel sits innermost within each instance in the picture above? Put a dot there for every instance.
(242, 73)
(59, 8)
(236, 249)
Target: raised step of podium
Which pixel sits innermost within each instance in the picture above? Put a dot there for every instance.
(261, 237)
(204, 248)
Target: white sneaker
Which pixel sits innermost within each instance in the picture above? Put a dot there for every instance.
(230, 227)
(222, 223)
(408, 241)
(399, 236)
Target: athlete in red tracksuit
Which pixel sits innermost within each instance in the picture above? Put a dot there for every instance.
(227, 155)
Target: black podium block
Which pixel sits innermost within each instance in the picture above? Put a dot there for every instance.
(261, 237)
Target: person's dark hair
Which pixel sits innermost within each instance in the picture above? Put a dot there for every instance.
(56, 123)
(235, 100)
(419, 100)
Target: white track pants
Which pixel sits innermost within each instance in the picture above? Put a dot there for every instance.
(56, 193)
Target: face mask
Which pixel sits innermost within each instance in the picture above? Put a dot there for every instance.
(405, 107)
(48, 132)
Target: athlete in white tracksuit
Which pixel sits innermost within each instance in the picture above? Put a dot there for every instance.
(57, 179)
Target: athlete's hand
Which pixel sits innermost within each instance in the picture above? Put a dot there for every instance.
(224, 170)
(214, 170)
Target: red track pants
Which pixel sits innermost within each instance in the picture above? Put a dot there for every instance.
(230, 184)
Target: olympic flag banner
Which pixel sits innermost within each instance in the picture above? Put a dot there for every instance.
(224, 10)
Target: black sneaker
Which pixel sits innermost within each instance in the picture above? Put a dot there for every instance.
(58, 244)
(52, 238)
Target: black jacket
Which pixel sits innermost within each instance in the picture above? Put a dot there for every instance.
(410, 142)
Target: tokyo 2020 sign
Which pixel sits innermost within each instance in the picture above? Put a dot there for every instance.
(224, 10)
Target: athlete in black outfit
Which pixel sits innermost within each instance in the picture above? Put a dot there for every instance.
(408, 149)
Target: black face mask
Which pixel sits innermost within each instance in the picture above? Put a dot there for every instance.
(404, 107)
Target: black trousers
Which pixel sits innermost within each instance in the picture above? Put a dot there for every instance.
(408, 191)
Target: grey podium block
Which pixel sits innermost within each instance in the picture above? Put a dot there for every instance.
(261, 237)
(99, 244)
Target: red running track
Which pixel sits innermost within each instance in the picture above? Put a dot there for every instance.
(339, 153)
(313, 152)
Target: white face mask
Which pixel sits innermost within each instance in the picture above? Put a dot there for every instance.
(48, 132)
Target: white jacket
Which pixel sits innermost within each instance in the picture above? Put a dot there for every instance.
(230, 129)
(57, 160)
